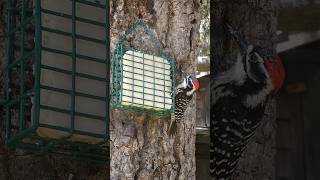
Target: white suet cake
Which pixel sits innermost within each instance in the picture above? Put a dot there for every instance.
(146, 81)
(55, 79)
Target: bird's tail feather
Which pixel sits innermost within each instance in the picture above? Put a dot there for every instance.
(172, 128)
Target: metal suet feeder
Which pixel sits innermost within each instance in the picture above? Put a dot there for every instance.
(141, 81)
(65, 110)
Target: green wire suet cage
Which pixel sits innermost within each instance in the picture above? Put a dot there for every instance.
(142, 81)
(56, 77)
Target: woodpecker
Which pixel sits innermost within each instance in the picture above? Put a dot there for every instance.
(239, 97)
(184, 94)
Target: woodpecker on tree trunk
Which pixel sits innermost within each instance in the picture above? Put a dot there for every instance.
(184, 94)
(239, 97)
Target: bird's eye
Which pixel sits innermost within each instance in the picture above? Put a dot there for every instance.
(253, 58)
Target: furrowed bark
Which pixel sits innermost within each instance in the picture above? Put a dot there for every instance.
(140, 145)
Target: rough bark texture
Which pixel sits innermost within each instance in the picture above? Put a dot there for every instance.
(257, 20)
(140, 145)
(18, 164)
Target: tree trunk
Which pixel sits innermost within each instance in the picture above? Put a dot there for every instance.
(140, 146)
(257, 21)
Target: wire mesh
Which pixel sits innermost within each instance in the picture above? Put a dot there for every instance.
(142, 82)
(26, 85)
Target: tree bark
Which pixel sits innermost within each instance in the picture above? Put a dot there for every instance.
(257, 21)
(140, 146)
